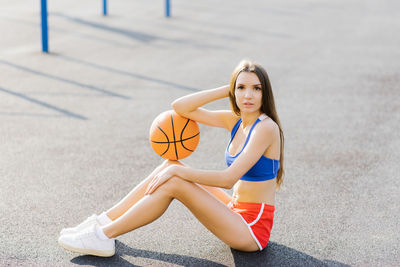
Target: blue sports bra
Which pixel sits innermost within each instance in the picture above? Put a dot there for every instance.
(264, 169)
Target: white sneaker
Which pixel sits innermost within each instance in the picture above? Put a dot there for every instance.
(87, 242)
(92, 220)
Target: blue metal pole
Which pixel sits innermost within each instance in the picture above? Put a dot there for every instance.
(45, 42)
(104, 7)
(167, 8)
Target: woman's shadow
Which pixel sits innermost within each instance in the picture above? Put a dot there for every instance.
(274, 255)
(144, 257)
(279, 255)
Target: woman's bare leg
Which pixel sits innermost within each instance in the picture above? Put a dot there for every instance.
(138, 192)
(211, 212)
(218, 193)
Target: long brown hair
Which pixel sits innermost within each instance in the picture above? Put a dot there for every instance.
(267, 106)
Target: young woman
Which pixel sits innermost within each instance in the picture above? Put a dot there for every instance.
(254, 157)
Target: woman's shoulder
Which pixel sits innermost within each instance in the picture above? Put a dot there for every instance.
(267, 126)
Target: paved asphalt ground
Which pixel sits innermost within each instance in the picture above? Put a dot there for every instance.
(74, 124)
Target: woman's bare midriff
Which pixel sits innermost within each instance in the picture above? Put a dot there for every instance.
(256, 192)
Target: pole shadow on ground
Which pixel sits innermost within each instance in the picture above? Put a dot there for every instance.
(126, 73)
(134, 35)
(61, 79)
(40, 103)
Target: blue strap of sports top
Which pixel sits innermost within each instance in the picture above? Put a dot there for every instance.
(234, 130)
(248, 136)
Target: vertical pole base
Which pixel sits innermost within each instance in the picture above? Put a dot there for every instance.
(167, 8)
(45, 41)
(104, 7)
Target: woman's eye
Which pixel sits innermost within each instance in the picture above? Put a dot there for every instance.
(257, 88)
(239, 87)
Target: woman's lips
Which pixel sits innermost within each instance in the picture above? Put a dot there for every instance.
(247, 104)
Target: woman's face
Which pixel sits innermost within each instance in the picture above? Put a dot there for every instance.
(248, 92)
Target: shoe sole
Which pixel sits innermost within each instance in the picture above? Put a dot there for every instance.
(95, 252)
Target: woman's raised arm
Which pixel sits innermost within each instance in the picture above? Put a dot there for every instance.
(189, 106)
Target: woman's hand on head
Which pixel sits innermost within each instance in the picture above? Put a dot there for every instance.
(160, 178)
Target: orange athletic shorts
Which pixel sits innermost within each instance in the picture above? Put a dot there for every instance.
(258, 217)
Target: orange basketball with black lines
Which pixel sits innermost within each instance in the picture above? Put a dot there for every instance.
(173, 136)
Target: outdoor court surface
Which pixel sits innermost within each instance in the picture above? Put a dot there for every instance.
(74, 124)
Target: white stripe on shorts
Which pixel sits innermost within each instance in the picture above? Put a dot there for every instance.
(252, 234)
(259, 215)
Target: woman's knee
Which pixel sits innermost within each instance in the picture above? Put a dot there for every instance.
(166, 163)
(174, 185)
(169, 162)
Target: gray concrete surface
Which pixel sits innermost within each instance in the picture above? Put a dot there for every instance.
(74, 124)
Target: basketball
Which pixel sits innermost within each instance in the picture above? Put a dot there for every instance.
(173, 136)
